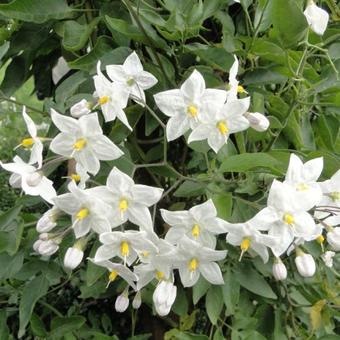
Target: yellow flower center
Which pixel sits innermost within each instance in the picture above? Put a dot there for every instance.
(113, 275)
(288, 219)
(159, 275)
(27, 142)
(103, 100)
(335, 196)
(195, 231)
(320, 239)
(82, 213)
(245, 244)
(192, 110)
(130, 81)
(124, 249)
(302, 187)
(240, 89)
(222, 127)
(193, 264)
(79, 144)
(123, 205)
(75, 177)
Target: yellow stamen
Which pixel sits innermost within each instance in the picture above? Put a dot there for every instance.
(159, 275)
(113, 275)
(82, 213)
(223, 128)
(27, 142)
(145, 253)
(192, 110)
(195, 231)
(302, 187)
(124, 249)
(123, 205)
(320, 239)
(79, 144)
(75, 177)
(240, 89)
(245, 244)
(103, 100)
(193, 264)
(335, 196)
(288, 219)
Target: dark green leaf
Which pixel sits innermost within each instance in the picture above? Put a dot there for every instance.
(214, 303)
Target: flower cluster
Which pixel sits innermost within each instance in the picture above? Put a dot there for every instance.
(299, 209)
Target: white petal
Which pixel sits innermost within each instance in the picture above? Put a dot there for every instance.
(146, 195)
(201, 132)
(177, 218)
(117, 73)
(140, 215)
(89, 125)
(36, 153)
(104, 253)
(193, 88)
(81, 228)
(212, 273)
(204, 210)
(188, 278)
(177, 126)
(64, 123)
(216, 140)
(29, 123)
(119, 182)
(145, 80)
(88, 160)
(312, 169)
(170, 102)
(132, 64)
(67, 203)
(105, 149)
(317, 18)
(62, 144)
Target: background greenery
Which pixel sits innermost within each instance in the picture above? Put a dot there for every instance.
(294, 81)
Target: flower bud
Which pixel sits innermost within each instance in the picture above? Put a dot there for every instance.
(257, 121)
(328, 258)
(317, 18)
(137, 300)
(80, 109)
(122, 301)
(47, 221)
(164, 296)
(34, 179)
(45, 248)
(279, 270)
(333, 238)
(305, 264)
(73, 257)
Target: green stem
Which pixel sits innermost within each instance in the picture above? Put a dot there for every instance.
(53, 309)
(16, 102)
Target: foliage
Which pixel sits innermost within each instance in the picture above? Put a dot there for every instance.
(292, 76)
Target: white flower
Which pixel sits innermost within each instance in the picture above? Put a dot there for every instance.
(31, 180)
(327, 257)
(47, 221)
(305, 264)
(257, 121)
(137, 300)
(80, 109)
(129, 201)
(122, 301)
(279, 270)
(125, 245)
(87, 211)
(83, 140)
(234, 87)
(285, 217)
(303, 178)
(118, 270)
(132, 77)
(73, 257)
(33, 143)
(199, 223)
(195, 259)
(163, 297)
(247, 236)
(218, 122)
(317, 18)
(333, 238)
(184, 105)
(112, 98)
(80, 176)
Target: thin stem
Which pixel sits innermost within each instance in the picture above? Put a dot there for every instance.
(16, 102)
(53, 309)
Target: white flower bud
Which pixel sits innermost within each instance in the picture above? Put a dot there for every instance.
(317, 18)
(73, 257)
(47, 221)
(45, 248)
(164, 296)
(34, 179)
(279, 270)
(122, 302)
(328, 258)
(333, 238)
(257, 121)
(137, 300)
(80, 109)
(305, 264)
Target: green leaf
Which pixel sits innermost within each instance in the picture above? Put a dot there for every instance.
(4, 48)
(289, 22)
(61, 326)
(180, 306)
(189, 189)
(254, 282)
(32, 292)
(214, 303)
(7, 217)
(93, 272)
(200, 289)
(230, 292)
(37, 326)
(223, 203)
(4, 330)
(10, 265)
(36, 10)
(251, 162)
